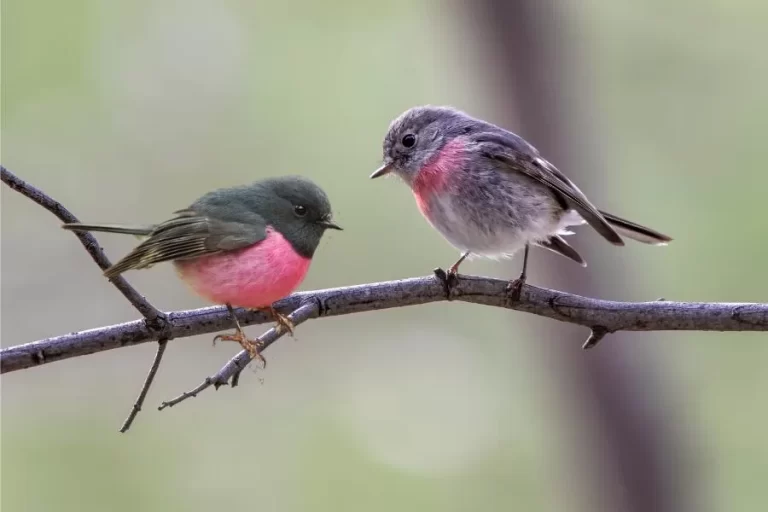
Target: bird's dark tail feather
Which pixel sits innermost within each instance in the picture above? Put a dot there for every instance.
(636, 231)
(557, 244)
(110, 228)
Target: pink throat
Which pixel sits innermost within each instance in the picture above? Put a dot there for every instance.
(253, 277)
(434, 177)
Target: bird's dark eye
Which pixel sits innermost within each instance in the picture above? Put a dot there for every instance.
(409, 140)
(300, 210)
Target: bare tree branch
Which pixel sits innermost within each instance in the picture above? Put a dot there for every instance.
(161, 345)
(601, 316)
(154, 318)
(592, 313)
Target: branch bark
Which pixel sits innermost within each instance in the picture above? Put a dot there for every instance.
(610, 316)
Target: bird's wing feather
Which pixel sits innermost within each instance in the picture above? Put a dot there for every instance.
(190, 235)
(517, 155)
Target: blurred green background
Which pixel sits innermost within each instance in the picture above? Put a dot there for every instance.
(126, 111)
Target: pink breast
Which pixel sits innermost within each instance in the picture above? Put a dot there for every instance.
(435, 177)
(253, 277)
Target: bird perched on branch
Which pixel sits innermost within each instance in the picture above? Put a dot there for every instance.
(245, 246)
(489, 192)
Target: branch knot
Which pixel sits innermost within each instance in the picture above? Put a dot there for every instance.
(597, 334)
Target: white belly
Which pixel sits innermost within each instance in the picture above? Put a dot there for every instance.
(492, 233)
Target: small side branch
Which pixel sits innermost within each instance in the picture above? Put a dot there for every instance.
(154, 316)
(597, 334)
(238, 363)
(161, 345)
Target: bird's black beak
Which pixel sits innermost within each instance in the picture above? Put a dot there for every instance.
(381, 171)
(329, 224)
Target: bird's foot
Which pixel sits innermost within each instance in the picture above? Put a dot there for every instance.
(253, 347)
(454, 270)
(515, 288)
(284, 323)
(449, 279)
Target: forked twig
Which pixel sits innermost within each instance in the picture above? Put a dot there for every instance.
(155, 319)
(238, 363)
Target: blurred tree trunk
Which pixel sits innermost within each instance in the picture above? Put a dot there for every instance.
(626, 449)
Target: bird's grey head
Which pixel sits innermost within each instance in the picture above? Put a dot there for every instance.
(418, 135)
(292, 205)
(299, 209)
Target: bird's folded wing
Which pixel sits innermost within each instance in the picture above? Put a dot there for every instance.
(518, 156)
(189, 235)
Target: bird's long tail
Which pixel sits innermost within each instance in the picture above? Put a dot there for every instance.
(636, 231)
(110, 228)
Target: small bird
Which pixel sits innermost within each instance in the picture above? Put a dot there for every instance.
(245, 246)
(489, 192)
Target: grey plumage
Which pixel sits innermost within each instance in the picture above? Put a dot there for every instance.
(496, 193)
(496, 146)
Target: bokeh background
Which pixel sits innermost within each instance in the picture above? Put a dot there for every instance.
(126, 111)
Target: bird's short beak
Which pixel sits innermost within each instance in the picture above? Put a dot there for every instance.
(329, 224)
(381, 171)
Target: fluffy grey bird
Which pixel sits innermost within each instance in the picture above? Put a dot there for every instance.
(489, 192)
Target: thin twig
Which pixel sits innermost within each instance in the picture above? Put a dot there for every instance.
(238, 363)
(154, 318)
(161, 345)
(89, 242)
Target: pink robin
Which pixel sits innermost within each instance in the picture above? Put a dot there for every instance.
(245, 246)
(489, 192)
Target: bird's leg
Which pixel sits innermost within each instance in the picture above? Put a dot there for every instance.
(515, 287)
(250, 346)
(283, 322)
(454, 270)
(450, 278)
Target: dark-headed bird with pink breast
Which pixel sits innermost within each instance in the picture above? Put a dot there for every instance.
(489, 192)
(245, 246)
